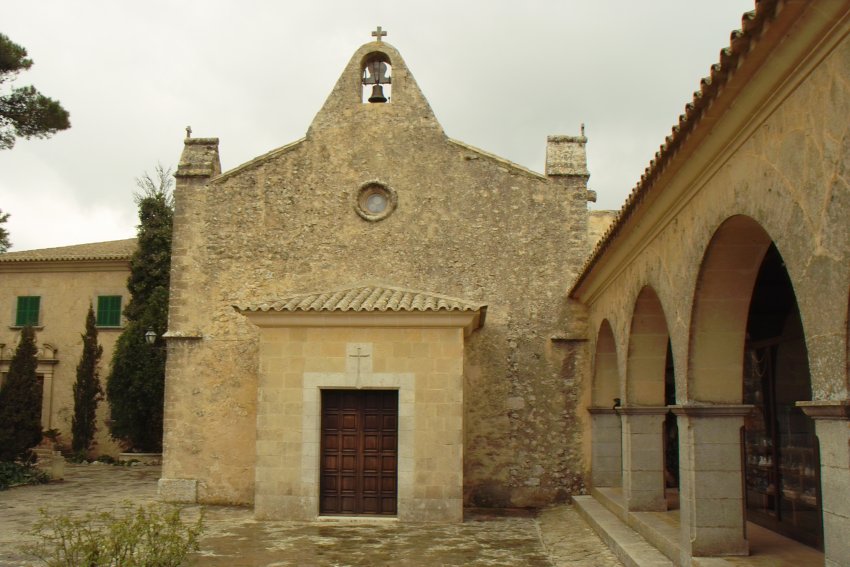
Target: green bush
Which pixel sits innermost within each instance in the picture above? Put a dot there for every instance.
(14, 474)
(146, 536)
(78, 457)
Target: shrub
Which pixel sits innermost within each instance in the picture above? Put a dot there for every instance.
(15, 474)
(149, 535)
(78, 457)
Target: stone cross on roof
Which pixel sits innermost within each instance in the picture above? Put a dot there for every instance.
(378, 33)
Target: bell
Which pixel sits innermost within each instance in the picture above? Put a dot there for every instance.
(377, 94)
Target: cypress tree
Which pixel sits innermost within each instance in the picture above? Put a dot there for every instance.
(20, 402)
(136, 384)
(87, 390)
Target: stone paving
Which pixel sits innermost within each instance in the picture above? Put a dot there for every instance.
(555, 537)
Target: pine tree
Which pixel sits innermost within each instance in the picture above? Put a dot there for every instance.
(87, 390)
(25, 112)
(20, 402)
(136, 385)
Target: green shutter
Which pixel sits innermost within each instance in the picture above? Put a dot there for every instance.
(27, 310)
(109, 311)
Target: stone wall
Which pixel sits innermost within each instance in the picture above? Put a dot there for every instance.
(597, 223)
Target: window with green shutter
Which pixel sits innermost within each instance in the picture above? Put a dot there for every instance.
(27, 310)
(109, 311)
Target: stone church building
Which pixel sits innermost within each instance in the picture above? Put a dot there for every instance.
(378, 320)
(373, 319)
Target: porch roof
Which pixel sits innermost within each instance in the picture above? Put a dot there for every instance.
(366, 298)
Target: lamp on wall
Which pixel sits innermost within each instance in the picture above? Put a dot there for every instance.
(150, 336)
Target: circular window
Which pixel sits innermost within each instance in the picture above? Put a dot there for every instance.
(375, 201)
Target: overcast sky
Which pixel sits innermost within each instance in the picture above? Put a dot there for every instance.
(500, 75)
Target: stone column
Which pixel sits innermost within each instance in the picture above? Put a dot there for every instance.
(711, 480)
(832, 425)
(643, 458)
(606, 460)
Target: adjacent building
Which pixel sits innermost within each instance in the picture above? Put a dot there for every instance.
(51, 289)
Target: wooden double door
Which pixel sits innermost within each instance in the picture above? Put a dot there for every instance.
(359, 452)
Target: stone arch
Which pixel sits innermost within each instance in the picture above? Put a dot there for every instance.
(606, 461)
(721, 305)
(644, 413)
(748, 346)
(606, 375)
(777, 432)
(647, 351)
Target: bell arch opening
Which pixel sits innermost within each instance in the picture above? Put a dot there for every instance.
(376, 78)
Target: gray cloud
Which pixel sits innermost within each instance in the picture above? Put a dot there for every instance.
(499, 75)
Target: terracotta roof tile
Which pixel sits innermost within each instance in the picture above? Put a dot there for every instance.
(111, 250)
(367, 298)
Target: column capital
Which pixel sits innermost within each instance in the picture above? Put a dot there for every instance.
(597, 410)
(826, 409)
(642, 410)
(730, 410)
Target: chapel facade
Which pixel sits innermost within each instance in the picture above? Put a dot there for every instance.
(373, 319)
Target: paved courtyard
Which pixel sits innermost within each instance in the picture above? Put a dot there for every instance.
(554, 537)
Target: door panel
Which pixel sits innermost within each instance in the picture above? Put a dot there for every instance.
(359, 452)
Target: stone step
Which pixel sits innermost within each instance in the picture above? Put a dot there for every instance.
(43, 453)
(653, 527)
(630, 547)
(612, 499)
